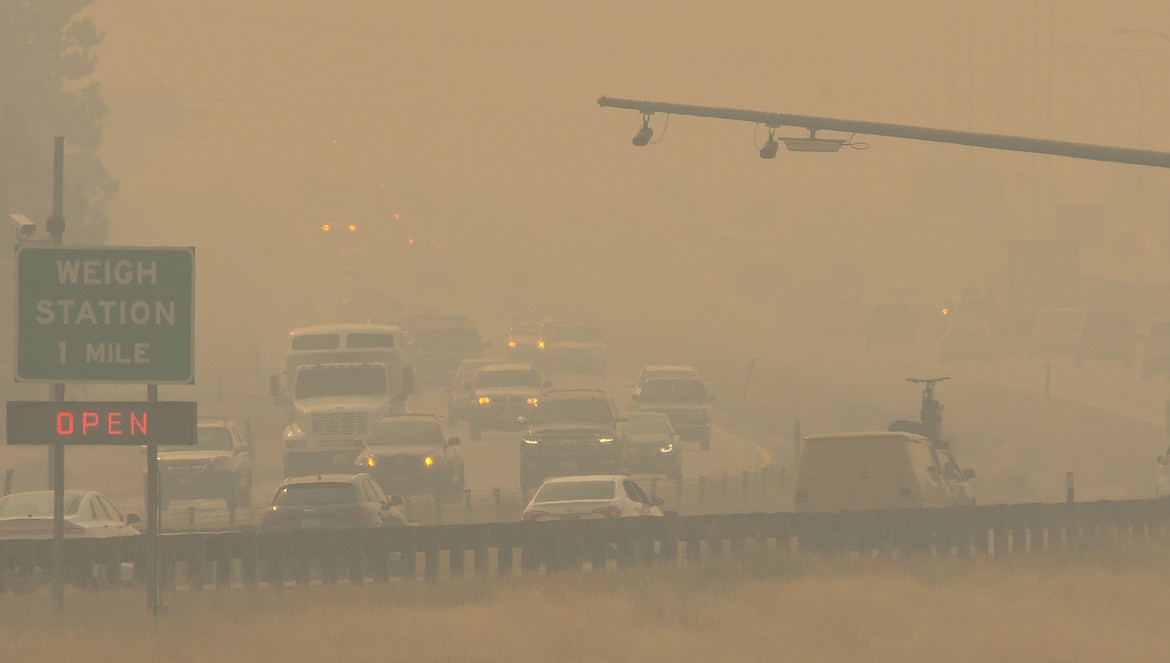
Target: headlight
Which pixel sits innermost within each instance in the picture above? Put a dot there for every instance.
(370, 462)
(533, 401)
(530, 440)
(511, 344)
(667, 449)
(428, 461)
(540, 344)
(485, 400)
(605, 440)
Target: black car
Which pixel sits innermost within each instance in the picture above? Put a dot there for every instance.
(572, 432)
(332, 501)
(459, 391)
(654, 445)
(412, 454)
(219, 465)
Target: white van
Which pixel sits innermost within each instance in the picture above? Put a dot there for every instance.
(877, 470)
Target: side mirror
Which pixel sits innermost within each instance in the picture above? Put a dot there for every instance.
(132, 519)
(396, 500)
(657, 501)
(968, 474)
(453, 442)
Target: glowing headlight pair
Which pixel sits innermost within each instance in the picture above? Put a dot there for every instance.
(485, 400)
(534, 401)
(531, 440)
(667, 449)
(605, 440)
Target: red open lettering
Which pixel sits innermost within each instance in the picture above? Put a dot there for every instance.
(114, 423)
(88, 420)
(139, 423)
(64, 423)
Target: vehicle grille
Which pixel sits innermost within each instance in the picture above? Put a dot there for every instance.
(562, 440)
(341, 423)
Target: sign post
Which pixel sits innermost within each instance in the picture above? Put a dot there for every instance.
(104, 315)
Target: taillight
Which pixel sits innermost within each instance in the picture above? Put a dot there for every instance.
(609, 511)
(530, 515)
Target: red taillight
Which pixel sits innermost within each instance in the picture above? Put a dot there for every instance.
(530, 515)
(609, 511)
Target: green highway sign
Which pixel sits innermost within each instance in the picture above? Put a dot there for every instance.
(105, 314)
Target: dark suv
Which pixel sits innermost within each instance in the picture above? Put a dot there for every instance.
(439, 344)
(572, 432)
(219, 465)
(685, 401)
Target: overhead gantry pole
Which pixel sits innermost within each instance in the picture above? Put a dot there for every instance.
(970, 138)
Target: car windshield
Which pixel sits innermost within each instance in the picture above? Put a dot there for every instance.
(317, 382)
(566, 410)
(580, 333)
(315, 494)
(565, 491)
(405, 432)
(449, 340)
(208, 438)
(36, 504)
(674, 391)
(517, 378)
(648, 424)
(524, 330)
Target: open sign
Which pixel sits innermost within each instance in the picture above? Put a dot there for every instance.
(102, 423)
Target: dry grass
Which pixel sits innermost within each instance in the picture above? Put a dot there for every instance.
(759, 609)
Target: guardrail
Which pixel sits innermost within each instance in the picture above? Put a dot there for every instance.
(194, 560)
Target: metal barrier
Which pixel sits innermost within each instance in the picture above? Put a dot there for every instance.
(194, 560)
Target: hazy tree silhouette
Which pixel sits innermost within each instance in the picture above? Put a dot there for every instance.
(47, 89)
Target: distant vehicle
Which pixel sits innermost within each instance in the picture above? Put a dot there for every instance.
(412, 454)
(685, 401)
(654, 444)
(459, 391)
(88, 515)
(590, 498)
(522, 341)
(1107, 336)
(332, 501)
(1056, 331)
(503, 397)
(339, 380)
(892, 323)
(878, 470)
(439, 343)
(1156, 357)
(572, 347)
(572, 431)
(657, 372)
(967, 339)
(219, 465)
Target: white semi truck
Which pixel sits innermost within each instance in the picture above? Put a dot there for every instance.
(339, 379)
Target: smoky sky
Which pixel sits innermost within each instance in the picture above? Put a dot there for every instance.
(242, 128)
